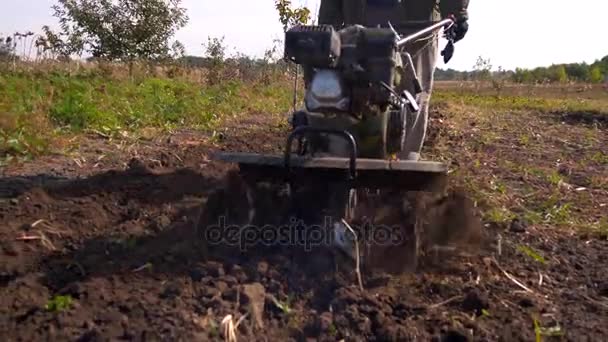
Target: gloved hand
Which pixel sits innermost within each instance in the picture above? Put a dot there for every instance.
(461, 27)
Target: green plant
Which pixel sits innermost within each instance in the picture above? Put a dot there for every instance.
(289, 16)
(540, 331)
(499, 215)
(531, 253)
(554, 178)
(332, 330)
(58, 303)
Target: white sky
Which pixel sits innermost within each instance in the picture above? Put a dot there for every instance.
(514, 33)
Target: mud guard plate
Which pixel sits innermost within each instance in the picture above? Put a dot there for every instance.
(371, 173)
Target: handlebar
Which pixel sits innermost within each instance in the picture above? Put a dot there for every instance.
(446, 22)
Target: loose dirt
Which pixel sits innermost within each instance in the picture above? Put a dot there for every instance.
(118, 239)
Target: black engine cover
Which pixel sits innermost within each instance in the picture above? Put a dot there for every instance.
(315, 46)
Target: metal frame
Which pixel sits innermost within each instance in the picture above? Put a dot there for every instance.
(300, 131)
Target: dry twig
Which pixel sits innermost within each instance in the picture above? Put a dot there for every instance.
(357, 266)
(40, 237)
(513, 279)
(228, 329)
(445, 302)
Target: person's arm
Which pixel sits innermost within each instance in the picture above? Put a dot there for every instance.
(458, 8)
(330, 13)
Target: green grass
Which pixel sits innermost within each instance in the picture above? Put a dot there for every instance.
(37, 107)
(522, 103)
(58, 303)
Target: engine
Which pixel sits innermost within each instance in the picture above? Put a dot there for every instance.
(354, 70)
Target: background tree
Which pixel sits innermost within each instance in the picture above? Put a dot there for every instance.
(595, 74)
(118, 29)
(7, 47)
(289, 16)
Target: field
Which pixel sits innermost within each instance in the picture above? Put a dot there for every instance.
(103, 176)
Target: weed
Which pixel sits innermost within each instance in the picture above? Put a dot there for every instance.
(35, 105)
(529, 251)
(58, 303)
(559, 214)
(602, 228)
(499, 215)
(214, 330)
(537, 331)
(332, 330)
(600, 158)
(498, 186)
(540, 331)
(533, 217)
(554, 178)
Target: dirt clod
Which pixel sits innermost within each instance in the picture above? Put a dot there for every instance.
(475, 301)
(262, 267)
(455, 336)
(518, 225)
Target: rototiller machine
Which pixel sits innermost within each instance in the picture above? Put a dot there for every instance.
(339, 165)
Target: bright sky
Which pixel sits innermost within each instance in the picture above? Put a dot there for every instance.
(514, 33)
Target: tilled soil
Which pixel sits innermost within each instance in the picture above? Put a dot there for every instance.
(116, 235)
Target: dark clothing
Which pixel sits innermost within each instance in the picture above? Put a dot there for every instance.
(350, 12)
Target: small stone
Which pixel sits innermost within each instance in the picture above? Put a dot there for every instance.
(262, 267)
(526, 303)
(230, 280)
(88, 325)
(172, 290)
(230, 294)
(162, 222)
(209, 291)
(378, 319)
(455, 336)
(215, 269)
(197, 274)
(239, 274)
(221, 286)
(518, 226)
(137, 167)
(10, 249)
(325, 321)
(92, 335)
(75, 290)
(274, 286)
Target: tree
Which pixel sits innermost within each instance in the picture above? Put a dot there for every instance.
(577, 71)
(560, 74)
(7, 47)
(482, 69)
(119, 29)
(289, 16)
(595, 75)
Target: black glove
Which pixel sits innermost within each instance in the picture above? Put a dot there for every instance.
(461, 27)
